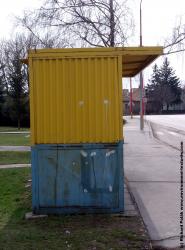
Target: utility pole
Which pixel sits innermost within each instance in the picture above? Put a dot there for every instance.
(131, 98)
(141, 75)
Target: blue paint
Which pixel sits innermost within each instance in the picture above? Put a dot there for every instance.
(77, 178)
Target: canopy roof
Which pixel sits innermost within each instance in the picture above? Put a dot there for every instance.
(133, 59)
(136, 59)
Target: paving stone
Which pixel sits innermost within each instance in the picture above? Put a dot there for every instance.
(31, 216)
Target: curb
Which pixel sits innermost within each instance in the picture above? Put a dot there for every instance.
(138, 211)
(151, 132)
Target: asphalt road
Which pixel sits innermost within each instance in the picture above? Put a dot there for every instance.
(172, 121)
(169, 129)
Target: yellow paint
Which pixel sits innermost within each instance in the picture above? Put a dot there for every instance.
(76, 94)
(134, 59)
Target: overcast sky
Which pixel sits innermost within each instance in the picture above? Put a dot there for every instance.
(158, 19)
(158, 16)
(10, 8)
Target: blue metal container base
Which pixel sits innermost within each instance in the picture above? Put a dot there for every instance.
(76, 210)
(85, 178)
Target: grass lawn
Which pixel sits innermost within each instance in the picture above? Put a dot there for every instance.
(12, 129)
(76, 232)
(14, 139)
(12, 157)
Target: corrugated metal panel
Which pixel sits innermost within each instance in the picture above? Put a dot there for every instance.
(84, 178)
(134, 59)
(76, 100)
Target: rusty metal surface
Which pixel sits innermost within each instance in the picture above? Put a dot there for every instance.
(77, 178)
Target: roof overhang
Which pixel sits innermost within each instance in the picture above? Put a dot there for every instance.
(134, 59)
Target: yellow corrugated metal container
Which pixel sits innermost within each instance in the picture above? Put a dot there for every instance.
(76, 100)
(76, 95)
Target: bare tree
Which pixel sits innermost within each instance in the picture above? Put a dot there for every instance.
(176, 42)
(81, 22)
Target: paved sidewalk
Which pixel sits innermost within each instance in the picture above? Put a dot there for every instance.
(153, 173)
(14, 132)
(130, 207)
(15, 148)
(14, 166)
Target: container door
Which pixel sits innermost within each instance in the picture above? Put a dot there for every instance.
(47, 163)
(88, 178)
(68, 184)
(100, 178)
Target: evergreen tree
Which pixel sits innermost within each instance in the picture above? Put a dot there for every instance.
(1, 98)
(153, 90)
(14, 75)
(164, 88)
(171, 84)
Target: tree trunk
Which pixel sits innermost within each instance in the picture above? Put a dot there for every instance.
(112, 25)
(19, 123)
